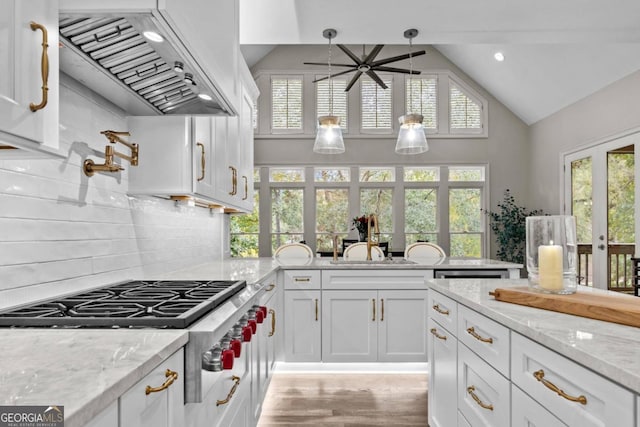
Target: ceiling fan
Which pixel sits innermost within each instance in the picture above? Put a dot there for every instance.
(367, 64)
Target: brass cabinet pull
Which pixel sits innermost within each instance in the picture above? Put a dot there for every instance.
(441, 311)
(234, 181)
(382, 310)
(236, 381)
(44, 65)
(271, 287)
(316, 309)
(272, 312)
(202, 160)
(434, 331)
(302, 279)
(246, 187)
(477, 336)
(171, 377)
(539, 375)
(471, 390)
(373, 305)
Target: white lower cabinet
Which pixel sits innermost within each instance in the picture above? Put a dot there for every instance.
(374, 326)
(484, 395)
(443, 377)
(302, 326)
(574, 394)
(158, 399)
(526, 412)
(462, 421)
(107, 418)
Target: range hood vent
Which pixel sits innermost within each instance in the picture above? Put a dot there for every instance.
(161, 77)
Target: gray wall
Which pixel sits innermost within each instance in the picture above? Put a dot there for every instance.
(610, 111)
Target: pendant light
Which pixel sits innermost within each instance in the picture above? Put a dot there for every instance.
(329, 137)
(411, 138)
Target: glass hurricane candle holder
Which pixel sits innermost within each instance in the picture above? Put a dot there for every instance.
(552, 253)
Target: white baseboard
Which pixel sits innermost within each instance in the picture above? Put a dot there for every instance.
(377, 368)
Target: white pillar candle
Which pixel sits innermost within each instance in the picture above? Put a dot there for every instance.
(550, 266)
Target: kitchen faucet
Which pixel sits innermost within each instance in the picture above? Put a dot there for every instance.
(335, 247)
(372, 218)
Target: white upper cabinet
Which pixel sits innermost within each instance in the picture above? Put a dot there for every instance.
(29, 78)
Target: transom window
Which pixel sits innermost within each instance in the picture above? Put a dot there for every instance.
(376, 104)
(286, 103)
(336, 104)
(465, 113)
(421, 97)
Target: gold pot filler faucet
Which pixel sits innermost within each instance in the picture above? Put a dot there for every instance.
(90, 167)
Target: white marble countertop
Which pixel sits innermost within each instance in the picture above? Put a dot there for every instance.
(610, 349)
(83, 369)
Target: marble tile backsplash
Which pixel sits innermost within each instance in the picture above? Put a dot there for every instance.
(61, 231)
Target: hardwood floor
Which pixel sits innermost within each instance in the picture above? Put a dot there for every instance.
(345, 400)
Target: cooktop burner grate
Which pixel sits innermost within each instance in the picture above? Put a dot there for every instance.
(161, 304)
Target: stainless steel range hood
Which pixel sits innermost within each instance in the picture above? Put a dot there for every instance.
(110, 55)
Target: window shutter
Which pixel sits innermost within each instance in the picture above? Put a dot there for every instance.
(339, 99)
(422, 98)
(376, 104)
(465, 113)
(286, 103)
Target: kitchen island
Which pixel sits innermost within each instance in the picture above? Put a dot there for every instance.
(527, 364)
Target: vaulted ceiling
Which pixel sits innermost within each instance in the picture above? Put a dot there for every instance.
(555, 52)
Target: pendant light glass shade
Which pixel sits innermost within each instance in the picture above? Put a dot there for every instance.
(411, 138)
(329, 137)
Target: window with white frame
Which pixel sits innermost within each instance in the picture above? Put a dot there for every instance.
(422, 98)
(286, 103)
(336, 103)
(376, 105)
(465, 110)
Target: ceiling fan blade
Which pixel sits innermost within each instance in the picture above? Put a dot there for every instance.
(326, 64)
(374, 52)
(396, 58)
(353, 81)
(396, 70)
(376, 79)
(350, 54)
(333, 75)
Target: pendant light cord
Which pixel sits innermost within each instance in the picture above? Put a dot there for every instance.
(410, 76)
(330, 82)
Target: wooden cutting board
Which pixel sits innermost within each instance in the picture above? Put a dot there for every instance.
(623, 309)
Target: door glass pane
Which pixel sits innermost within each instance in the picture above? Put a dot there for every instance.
(582, 210)
(420, 215)
(378, 201)
(465, 222)
(332, 216)
(377, 174)
(286, 216)
(331, 174)
(620, 217)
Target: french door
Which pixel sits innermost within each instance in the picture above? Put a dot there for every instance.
(600, 191)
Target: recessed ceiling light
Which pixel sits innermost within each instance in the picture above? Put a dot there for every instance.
(499, 56)
(204, 96)
(153, 36)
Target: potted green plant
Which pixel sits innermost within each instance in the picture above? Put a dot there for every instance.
(508, 226)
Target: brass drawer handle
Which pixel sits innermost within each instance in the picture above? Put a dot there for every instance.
(373, 305)
(441, 311)
(271, 287)
(302, 279)
(236, 381)
(316, 309)
(471, 390)
(539, 375)
(382, 309)
(246, 187)
(171, 377)
(272, 312)
(474, 334)
(44, 67)
(437, 335)
(202, 160)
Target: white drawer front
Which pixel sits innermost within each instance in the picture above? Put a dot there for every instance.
(302, 279)
(489, 339)
(484, 396)
(374, 279)
(526, 412)
(462, 421)
(444, 310)
(536, 370)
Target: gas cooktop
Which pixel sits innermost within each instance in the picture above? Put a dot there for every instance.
(141, 303)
